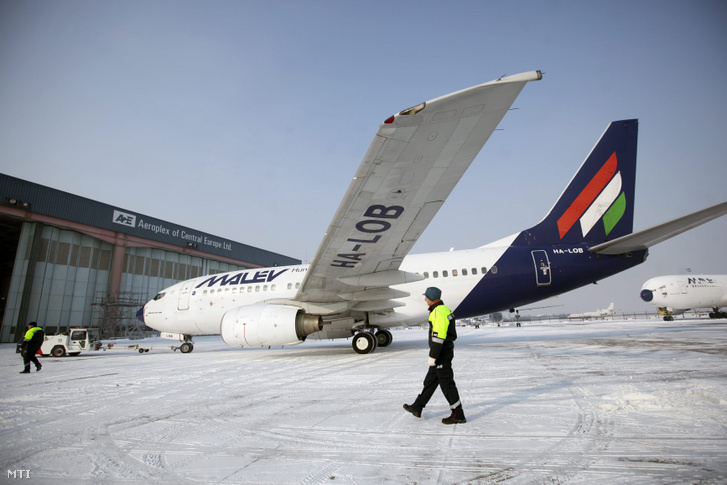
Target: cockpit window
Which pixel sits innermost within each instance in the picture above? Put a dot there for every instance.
(159, 296)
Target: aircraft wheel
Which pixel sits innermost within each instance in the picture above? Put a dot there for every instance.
(58, 351)
(186, 347)
(384, 338)
(364, 343)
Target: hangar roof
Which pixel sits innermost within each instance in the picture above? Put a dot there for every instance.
(39, 199)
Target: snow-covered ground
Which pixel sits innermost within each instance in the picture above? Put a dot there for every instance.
(602, 402)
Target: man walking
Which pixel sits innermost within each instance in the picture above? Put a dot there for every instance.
(442, 334)
(29, 347)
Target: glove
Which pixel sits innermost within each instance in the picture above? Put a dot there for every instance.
(432, 361)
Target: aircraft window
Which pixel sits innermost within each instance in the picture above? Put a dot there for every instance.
(227, 290)
(435, 274)
(234, 289)
(272, 287)
(265, 287)
(426, 274)
(454, 272)
(159, 296)
(257, 288)
(445, 274)
(297, 285)
(474, 270)
(219, 291)
(249, 289)
(464, 271)
(204, 292)
(493, 270)
(290, 286)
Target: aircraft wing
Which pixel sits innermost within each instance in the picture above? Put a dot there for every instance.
(649, 237)
(413, 163)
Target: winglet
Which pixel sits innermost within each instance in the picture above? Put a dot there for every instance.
(523, 76)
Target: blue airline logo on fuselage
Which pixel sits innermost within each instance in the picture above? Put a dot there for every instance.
(246, 277)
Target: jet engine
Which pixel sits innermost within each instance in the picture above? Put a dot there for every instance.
(267, 325)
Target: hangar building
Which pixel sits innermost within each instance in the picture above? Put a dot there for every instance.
(68, 261)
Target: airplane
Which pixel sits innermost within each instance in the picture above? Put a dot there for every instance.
(363, 281)
(675, 294)
(600, 313)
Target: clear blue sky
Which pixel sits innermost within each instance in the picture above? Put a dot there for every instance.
(247, 119)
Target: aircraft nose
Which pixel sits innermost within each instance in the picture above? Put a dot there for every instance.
(647, 295)
(140, 315)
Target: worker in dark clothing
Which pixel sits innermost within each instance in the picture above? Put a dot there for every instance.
(31, 344)
(442, 334)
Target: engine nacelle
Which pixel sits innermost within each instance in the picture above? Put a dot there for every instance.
(267, 325)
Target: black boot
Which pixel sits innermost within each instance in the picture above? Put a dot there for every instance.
(26, 371)
(456, 417)
(37, 368)
(414, 410)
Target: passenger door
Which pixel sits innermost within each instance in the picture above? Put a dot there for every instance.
(542, 267)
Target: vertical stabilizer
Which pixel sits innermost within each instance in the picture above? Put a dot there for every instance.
(598, 204)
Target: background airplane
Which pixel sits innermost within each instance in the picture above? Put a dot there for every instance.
(362, 279)
(675, 294)
(601, 313)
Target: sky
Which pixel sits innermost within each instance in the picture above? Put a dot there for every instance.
(247, 120)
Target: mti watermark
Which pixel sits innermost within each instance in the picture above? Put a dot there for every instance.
(18, 473)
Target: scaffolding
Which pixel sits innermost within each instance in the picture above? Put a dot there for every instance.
(115, 315)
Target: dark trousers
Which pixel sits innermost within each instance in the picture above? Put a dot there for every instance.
(30, 357)
(440, 375)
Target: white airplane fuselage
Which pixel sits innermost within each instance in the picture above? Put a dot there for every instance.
(196, 306)
(675, 294)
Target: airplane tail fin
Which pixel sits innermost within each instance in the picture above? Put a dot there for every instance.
(598, 204)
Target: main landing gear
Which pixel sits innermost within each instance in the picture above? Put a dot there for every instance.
(717, 313)
(366, 342)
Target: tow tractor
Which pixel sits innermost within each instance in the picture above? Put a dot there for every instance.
(71, 343)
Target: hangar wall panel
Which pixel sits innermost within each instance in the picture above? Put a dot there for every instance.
(147, 271)
(57, 286)
(59, 275)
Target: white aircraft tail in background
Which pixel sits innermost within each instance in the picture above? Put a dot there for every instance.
(601, 313)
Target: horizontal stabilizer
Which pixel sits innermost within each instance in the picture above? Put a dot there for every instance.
(649, 237)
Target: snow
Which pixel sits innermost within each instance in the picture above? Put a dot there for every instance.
(640, 401)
